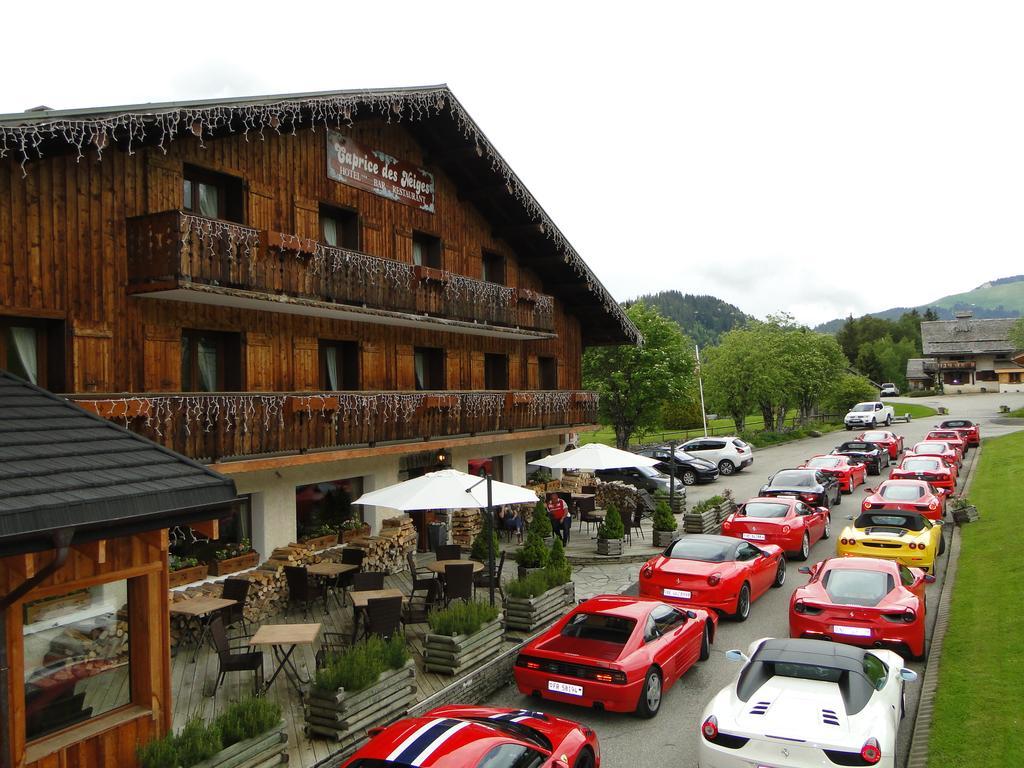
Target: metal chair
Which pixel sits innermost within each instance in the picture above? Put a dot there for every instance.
(483, 580)
(458, 582)
(367, 580)
(300, 588)
(383, 616)
(634, 525)
(237, 590)
(448, 552)
(427, 582)
(234, 662)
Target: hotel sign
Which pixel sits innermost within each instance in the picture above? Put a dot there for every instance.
(957, 365)
(375, 171)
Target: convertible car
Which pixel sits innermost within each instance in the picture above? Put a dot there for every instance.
(812, 486)
(931, 469)
(910, 495)
(806, 703)
(861, 601)
(615, 652)
(848, 472)
(787, 523)
(908, 537)
(480, 736)
(892, 442)
(875, 456)
(717, 572)
(967, 428)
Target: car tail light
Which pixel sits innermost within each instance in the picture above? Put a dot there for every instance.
(710, 730)
(714, 579)
(726, 526)
(867, 505)
(909, 616)
(786, 529)
(612, 676)
(647, 572)
(916, 546)
(804, 609)
(934, 504)
(808, 496)
(846, 542)
(871, 753)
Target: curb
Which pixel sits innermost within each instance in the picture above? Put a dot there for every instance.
(918, 756)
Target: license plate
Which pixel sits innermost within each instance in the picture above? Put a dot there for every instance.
(572, 690)
(852, 631)
(681, 593)
(754, 536)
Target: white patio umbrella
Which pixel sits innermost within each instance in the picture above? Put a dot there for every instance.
(446, 489)
(593, 456)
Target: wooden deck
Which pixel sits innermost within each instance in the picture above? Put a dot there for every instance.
(193, 683)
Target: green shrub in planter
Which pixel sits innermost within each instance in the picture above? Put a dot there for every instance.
(358, 667)
(461, 618)
(197, 741)
(664, 520)
(558, 570)
(707, 504)
(247, 718)
(533, 553)
(541, 522)
(533, 585)
(478, 550)
(159, 753)
(612, 527)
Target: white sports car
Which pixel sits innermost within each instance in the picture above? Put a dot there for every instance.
(801, 703)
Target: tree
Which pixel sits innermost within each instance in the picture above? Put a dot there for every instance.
(635, 382)
(1017, 334)
(845, 392)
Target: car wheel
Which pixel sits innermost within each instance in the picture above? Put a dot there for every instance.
(827, 533)
(705, 644)
(726, 467)
(903, 704)
(942, 545)
(875, 467)
(585, 760)
(689, 477)
(805, 547)
(839, 498)
(650, 694)
(888, 420)
(743, 604)
(780, 573)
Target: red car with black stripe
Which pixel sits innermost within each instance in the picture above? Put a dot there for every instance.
(718, 572)
(892, 441)
(861, 601)
(969, 431)
(480, 736)
(787, 523)
(931, 469)
(907, 496)
(848, 472)
(615, 652)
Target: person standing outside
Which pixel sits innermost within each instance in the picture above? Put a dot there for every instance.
(559, 512)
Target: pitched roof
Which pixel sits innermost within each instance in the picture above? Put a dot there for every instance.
(970, 335)
(63, 467)
(524, 224)
(916, 367)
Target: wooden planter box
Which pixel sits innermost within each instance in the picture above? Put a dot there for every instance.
(270, 748)
(187, 575)
(452, 655)
(666, 538)
(965, 515)
(351, 534)
(522, 571)
(321, 542)
(708, 521)
(609, 546)
(235, 564)
(528, 614)
(345, 717)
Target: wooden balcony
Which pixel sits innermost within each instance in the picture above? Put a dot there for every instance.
(211, 427)
(190, 258)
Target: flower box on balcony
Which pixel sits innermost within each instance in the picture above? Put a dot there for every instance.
(440, 401)
(234, 564)
(184, 576)
(351, 534)
(430, 273)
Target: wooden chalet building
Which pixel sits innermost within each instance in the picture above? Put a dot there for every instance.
(973, 354)
(317, 294)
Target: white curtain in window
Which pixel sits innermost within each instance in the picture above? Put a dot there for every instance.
(421, 374)
(21, 356)
(207, 354)
(331, 359)
(417, 253)
(208, 201)
(330, 231)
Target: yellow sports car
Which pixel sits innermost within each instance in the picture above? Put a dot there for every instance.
(909, 537)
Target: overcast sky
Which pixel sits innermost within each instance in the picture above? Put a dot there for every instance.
(817, 157)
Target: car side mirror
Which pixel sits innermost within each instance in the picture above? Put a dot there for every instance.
(929, 579)
(693, 614)
(908, 675)
(849, 517)
(559, 763)
(804, 569)
(735, 655)
(869, 490)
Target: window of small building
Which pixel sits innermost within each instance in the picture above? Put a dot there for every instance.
(33, 350)
(76, 650)
(323, 508)
(495, 371)
(426, 250)
(211, 194)
(339, 227)
(547, 372)
(339, 365)
(211, 361)
(429, 365)
(494, 268)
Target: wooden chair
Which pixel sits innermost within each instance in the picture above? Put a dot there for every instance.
(634, 525)
(590, 519)
(458, 582)
(367, 580)
(448, 552)
(234, 662)
(422, 580)
(483, 580)
(300, 588)
(383, 616)
(237, 590)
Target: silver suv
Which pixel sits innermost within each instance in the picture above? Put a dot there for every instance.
(729, 453)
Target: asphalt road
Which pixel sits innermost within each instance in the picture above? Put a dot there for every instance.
(671, 738)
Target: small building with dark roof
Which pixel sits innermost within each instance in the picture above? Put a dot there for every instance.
(973, 354)
(920, 373)
(85, 508)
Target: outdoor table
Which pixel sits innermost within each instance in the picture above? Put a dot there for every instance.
(584, 502)
(438, 565)
(286, 636)
(198, 612)
(361, 599)
(329, 571)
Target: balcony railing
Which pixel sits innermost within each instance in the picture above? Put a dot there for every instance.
(223, 425)
(173, 249)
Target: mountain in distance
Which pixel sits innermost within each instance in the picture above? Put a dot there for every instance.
(703, 318)
(999, 298)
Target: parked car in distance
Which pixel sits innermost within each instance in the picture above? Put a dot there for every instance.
(889, 390)
(931, 469)
(615, 652)
(912, 495)
(811, 486)
(909, 537)
(688, 469)
(967, 428)
(874, 455)
(787, 523)
(940, 448)
(892, 441)
(848, 472)
(729, 453)
(949, 436)
(645, 478)
(869, 415)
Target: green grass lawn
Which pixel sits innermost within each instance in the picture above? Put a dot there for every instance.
(1018, 414)
(916, 411)
(979, 720)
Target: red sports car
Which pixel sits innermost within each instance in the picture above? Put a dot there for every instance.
(479, 736)
(970, 431)
(907, 496)
(951, 437)
(942, 449)
(615, 652)
(850, 473)
(930, 468)
(717, 572)
(861, 601)
(892, 441)
(788, 523)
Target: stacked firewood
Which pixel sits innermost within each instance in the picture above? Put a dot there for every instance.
(574, 482)
(386, 552)
(466, 524)
(294, 554)
(622, 496)
(101, 642)
(267, 596)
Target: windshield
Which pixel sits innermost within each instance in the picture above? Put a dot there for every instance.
(875, 437)
(921, 465)
(931, 448)
(807, 671)
(861, 447)
(952, 424)
(793, 478)
(902, 492)
(701, 549)
(599, 626)
(864, 407)
(765, 509)
(888, 520)
(946, 436)
(823, 462)
(857, 587)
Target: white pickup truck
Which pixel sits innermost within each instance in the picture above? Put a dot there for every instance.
(869, 415)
